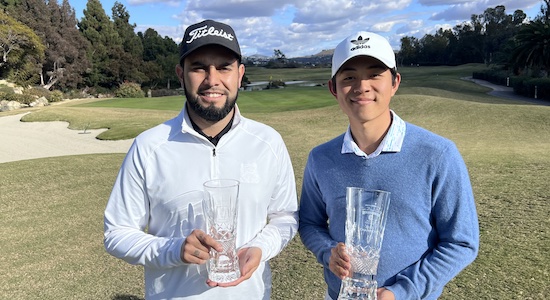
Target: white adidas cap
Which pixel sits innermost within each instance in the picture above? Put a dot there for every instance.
(363, 43)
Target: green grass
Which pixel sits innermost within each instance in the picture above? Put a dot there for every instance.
(266, 101)
(52, 208)
(317, 75)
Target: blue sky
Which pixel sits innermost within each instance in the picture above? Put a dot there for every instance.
(305, 27)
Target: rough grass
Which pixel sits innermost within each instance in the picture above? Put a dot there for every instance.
(52, 208)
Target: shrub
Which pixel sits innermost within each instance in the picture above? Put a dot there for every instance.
(523, 85)
(527, 86)
(165, 92)
(3, 95)
(5, 89)
(56, 96)
(492, 75)
(275, 84)
(38, 92)
(77, 94)
(539, 85)
(129, 90)
(519, 87)
(21, 98)
(98, 92)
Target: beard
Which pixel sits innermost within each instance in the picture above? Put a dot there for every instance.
(210, 113)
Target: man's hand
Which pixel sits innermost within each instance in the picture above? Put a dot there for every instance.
(339, 262)
(384, 294)
(249, 260)
(196, 248)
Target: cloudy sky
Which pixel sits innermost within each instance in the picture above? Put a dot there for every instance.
(305, 27)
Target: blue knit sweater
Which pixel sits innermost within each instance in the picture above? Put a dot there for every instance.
(432, 230)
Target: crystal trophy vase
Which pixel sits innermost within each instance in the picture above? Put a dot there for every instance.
(220, 210)
(366, 214)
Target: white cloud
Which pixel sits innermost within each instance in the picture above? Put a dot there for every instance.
(442, 2)
(305, 27)
(234, 9)
(173, 3)
(410, 28)
(457, 12)
(383, 27)
(313, 11)
(465, 9)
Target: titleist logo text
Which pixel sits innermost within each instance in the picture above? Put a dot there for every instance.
(204, 31)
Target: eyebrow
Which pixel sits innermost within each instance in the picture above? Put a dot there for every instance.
(201, 64)
(371, 67)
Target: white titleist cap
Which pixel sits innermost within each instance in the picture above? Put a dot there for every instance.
(363, 43)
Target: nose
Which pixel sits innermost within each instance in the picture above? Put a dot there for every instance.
(362, 86)
(212, 76)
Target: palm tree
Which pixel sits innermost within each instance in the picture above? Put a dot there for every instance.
(533, 46)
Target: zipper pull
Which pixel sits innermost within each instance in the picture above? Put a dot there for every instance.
(214, 152)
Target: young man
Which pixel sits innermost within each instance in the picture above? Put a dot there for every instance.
(153, 220)
(432, 229)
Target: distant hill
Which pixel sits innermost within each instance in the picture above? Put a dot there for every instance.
(322, 58)
(328, 52)
(258, 57)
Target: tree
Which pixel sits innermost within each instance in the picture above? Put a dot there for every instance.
(34, 14)
(433, 48)
(106, 47)
(279, 56)
(279, 61)
(131, 58)
(161, 56)
(21, 49)
(169, 61)
(500, 28)
(533, 46)
(409, 51)
(532, 43)
(5, 5)
(544, 15)
(66, 60)
(469, 44)
(518, 17)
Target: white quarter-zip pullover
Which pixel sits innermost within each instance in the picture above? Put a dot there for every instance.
(152, 207)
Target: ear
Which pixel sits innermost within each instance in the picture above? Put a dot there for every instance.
(396, 84)
(179, 73)
(241, 74)
(332, 87)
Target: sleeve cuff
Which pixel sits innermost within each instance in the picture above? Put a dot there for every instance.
(403, 290)
(175, 251)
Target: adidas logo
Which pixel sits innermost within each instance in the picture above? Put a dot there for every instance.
(360, 43)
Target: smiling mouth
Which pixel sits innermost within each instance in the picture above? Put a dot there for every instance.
(212, 95)
(362, 100)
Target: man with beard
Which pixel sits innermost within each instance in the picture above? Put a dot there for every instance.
(152, 218)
